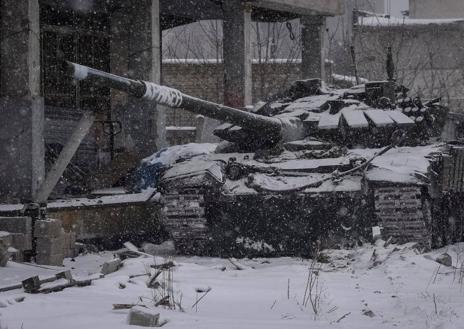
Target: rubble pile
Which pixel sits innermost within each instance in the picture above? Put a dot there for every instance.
(17, 236)
(53, 244)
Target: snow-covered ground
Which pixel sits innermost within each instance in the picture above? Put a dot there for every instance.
(401, 289)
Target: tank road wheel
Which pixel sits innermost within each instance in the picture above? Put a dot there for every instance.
(185, 220)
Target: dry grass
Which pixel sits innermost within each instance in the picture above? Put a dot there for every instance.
(314, 288)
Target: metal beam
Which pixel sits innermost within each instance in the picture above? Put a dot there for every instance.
(65, 157)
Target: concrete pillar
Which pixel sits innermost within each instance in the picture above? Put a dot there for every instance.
(21, 103)
(136, 53)
(237, 54)
(312, 51)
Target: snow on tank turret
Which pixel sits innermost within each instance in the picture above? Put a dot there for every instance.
(314, 164)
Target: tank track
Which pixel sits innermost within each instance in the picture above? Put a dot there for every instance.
(184, 217)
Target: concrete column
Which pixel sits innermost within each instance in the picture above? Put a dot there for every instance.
(21, 103)
(136, 53)
(313, 47)
(156, 74)
(237, 54)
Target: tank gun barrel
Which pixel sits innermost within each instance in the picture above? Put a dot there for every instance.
(173, 98)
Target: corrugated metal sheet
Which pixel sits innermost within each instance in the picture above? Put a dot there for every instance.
(59, 125)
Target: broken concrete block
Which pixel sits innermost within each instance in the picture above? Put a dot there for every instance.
(444, 259)
(50, 245)
(64, 275)
(4, 256)
(140, 316)
(16, 224)
(15, 255)
(69, 244)
(46, 259)
(166, 248)
(111, 266)
(5, 238)
(49, 228)
(31, 284)
(21, 241)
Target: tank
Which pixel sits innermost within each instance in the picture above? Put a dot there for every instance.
(314, 166)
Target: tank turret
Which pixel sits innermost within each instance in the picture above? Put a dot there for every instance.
(272, 129)
(367, 114)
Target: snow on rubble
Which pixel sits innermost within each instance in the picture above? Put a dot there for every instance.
(374, 286)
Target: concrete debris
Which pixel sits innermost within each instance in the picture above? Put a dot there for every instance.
(53, 243)
(111, 266)
(64, 275)
(49, 228)
(5, 238)
(123, 306)
(14, 254)
(16, 224)
(50, 246)
(21, 241)
(125, 253)
(444, 259)
(59, 282)
(140, 316)
(131, 247)
(16, 232)
(164, 266)
(31, 285)
(166, 248)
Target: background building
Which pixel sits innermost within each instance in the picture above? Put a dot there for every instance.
(436, 8)
(427, 49)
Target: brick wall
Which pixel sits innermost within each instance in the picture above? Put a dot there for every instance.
(206, 81)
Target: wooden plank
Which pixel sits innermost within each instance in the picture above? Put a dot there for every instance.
(461, 169)
(453, 186)
(447, 166)
(379, 118)
(58, 168)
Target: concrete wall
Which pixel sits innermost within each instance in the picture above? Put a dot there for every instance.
(106, 222)
(436, 8)
(429, 58)
(341, 27)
